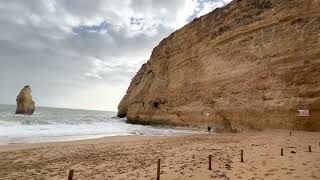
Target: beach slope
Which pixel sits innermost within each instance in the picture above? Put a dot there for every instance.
(182, 157)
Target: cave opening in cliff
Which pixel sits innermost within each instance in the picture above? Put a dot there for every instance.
(156, 104)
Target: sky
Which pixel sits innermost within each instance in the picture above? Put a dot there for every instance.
(83, 54)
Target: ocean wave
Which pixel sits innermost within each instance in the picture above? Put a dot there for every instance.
(50, 124)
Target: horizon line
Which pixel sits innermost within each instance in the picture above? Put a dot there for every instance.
(70, 108)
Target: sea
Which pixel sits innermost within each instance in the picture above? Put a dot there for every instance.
(57, 124)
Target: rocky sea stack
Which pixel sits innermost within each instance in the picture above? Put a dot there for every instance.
(250, 64)
(25, 104)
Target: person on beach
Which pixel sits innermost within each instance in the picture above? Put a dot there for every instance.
(209, 129)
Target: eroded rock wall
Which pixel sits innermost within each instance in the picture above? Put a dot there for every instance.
(250, 64)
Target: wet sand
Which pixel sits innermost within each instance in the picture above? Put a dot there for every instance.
(182, 157)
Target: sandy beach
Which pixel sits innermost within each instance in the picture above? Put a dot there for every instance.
(182, 157)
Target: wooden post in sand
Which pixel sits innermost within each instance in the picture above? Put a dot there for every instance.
(241, 155)
(158, 170)
(310, 149)
(70, 177)
(210, 162)
(290, 133)
(281, 151)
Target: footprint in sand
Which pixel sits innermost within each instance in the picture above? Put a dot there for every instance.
(272, 170)
(256, 178)
(268, 174)
(252, 168)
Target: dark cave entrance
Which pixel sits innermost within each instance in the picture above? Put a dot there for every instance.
(156, 104)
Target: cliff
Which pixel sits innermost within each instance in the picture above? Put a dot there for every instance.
(25, 104)
(250, 64)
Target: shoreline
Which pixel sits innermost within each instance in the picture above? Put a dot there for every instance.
(182, 157)
(105, 139)
(108, 139)
(159, 131)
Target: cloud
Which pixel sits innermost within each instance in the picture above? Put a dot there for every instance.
(80, 53)
(203, 7)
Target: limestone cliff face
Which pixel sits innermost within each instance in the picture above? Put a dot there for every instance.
(25, 104)
(250, 64)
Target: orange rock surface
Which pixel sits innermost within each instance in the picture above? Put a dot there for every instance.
(250, 64)
(25, 104)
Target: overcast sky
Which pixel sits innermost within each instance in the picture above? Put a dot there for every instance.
(83, 53)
